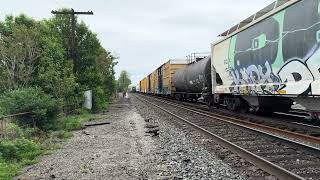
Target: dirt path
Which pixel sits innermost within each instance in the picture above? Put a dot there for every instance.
(119, 150)
(123, 150)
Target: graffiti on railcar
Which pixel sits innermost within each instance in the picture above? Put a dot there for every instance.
(279, 55)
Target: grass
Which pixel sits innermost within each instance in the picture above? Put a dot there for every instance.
(20, 148)
(8, 169)
(74, 122)
(17, 153)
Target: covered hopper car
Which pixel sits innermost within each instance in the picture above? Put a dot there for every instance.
(263, 64)
(271, 59)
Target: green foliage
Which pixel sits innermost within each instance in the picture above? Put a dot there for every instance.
(124, 81)
(55, 71)
(8, 170)
(37, 76)
(19, 149)
(19, 53)
(74, 122)
(99, 99)
(13, 131)
(42, 108)
(15, 154)
(50, 68)
(94, 66)
(61, 134)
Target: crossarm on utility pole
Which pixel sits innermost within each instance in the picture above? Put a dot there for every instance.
(72, 35)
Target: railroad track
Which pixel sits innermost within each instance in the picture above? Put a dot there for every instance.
(276, 155)
(287, 127)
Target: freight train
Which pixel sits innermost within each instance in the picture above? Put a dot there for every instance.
(266, 63)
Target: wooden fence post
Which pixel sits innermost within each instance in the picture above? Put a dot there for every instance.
(1, 128)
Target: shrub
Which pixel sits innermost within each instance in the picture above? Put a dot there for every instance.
(99, 99)
(8, 150)
(42, 107)
(8, 170)
(13, 131)
(20, 149)
(74, 122)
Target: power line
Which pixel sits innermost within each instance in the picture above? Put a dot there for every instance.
(72, 36)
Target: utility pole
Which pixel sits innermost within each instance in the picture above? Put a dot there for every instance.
(72, 34)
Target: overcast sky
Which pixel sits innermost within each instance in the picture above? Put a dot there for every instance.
(144, 33)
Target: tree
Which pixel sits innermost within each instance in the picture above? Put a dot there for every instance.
(123, 81)
(94, 64)
(19, 53)
(54, 72)
(35, 54)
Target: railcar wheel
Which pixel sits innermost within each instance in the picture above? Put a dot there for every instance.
(231, 106)
(244, 108)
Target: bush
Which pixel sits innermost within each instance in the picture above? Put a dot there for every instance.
(42, 107)
(20, 149)
(71, 123)
(8, 170)
(14, 154)
(13, 131)
(99, 99)
(74, 122)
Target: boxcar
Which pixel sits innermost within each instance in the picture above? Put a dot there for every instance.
(271, 59)
(159, 82)
(165, 75)
(149, 84)
(143, 85)
(153, 82)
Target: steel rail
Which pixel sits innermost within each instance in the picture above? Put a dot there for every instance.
(204, 108)
(295, 135)
(264, 164)
(252, 129)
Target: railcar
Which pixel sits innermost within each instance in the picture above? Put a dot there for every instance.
(160, 82)
(143, 85)
(270, 60)
(153, 82)
(193, 81)
(167, 71)
(265, 63)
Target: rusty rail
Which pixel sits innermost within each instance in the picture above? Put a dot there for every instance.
(295, 135)
(264, 164)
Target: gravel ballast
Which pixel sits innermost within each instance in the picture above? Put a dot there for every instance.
(140, 142)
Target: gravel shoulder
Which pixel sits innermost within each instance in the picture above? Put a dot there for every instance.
(140, 143)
